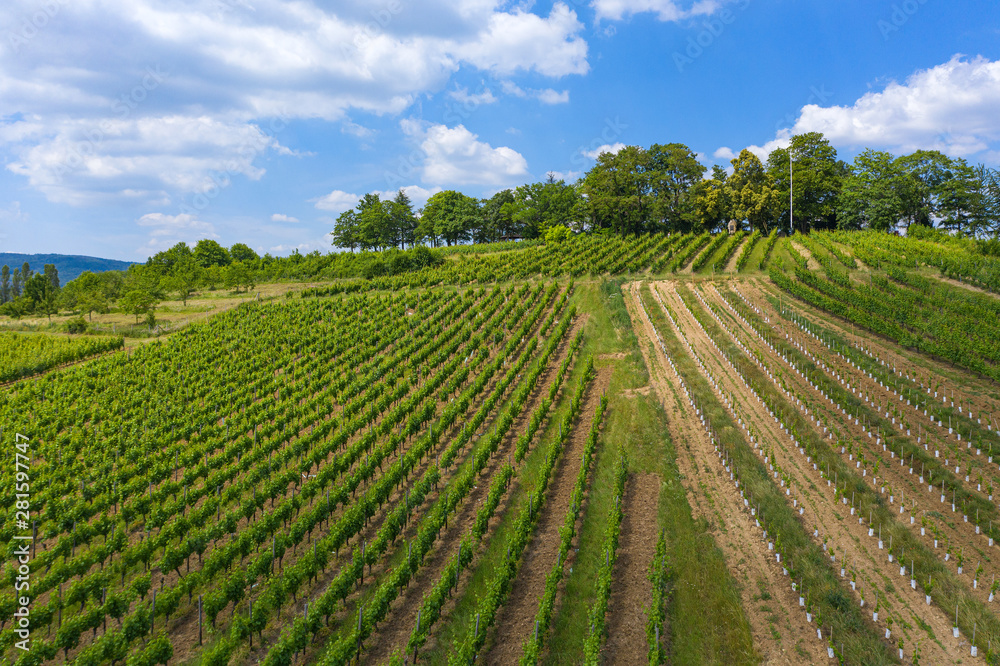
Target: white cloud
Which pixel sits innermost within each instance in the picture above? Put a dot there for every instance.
(951, 108)
(85, 162)
(545, 96)
(724, 153)
(354, 129)
(168, 230)
(550, 96)
(279, 217)
(13, 214)
(569, 176)
(337, 201)
(524, 41)
(454, 156)
(418, 195)
(189, 77)
(783, 139)
(665, 10)
(606, 148)
(462, 95)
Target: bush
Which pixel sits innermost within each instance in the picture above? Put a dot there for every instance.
(557, 234)
(76, 325)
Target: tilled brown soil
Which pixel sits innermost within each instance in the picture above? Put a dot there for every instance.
(401, 620)
(847, 539)
(780, 636)
(631, 589)
(973, 390)
(516, 619)
(960, 535)
(731, 265)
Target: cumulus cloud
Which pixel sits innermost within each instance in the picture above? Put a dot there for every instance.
(455, 156)
(171, 103)
(79, 161)
(567, 176)
(337, 201)
(462, 95)
(168, 230)
(724, 153)
(280, 217)
(612, 148)
(545, 95)
(951, 108)
(520, 40)
(665, 10)
(418, 195)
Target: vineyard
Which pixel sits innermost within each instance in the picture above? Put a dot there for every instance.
(686, 448)
(22, 355)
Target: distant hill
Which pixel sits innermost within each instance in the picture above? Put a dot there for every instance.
(69, 265)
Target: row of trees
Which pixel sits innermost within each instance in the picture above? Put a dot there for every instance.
(451, 217)
(181, 270)
(24, 290)
(665, 188)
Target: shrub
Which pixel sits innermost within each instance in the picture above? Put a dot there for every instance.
(76, 325)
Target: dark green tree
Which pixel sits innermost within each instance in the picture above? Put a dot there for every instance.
(873, 193)
(138, 302)
(209, 253)
(712, 201)
(345, 231)
(238, 274)
(167, 258)
(38, 289)
(183, 279)
(452, 215)
(496, 216)
(52, 274)
(402, 220)
(5, 292)
(538, 206)
(618, 192)
(672, 171)
(89, 289)
(817, 180)
(243, 252)
(374, 232)
(752, 193)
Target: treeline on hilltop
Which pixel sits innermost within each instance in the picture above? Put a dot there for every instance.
(664, 188)
(181, 271)
(636, 190)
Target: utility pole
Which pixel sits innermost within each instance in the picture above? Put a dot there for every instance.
(791, 189)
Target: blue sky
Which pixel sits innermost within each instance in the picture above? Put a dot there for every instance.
(129, 125)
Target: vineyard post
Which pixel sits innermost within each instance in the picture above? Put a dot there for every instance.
(361, 612)
(199, 618)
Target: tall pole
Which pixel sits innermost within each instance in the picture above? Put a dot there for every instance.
(791, 189)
